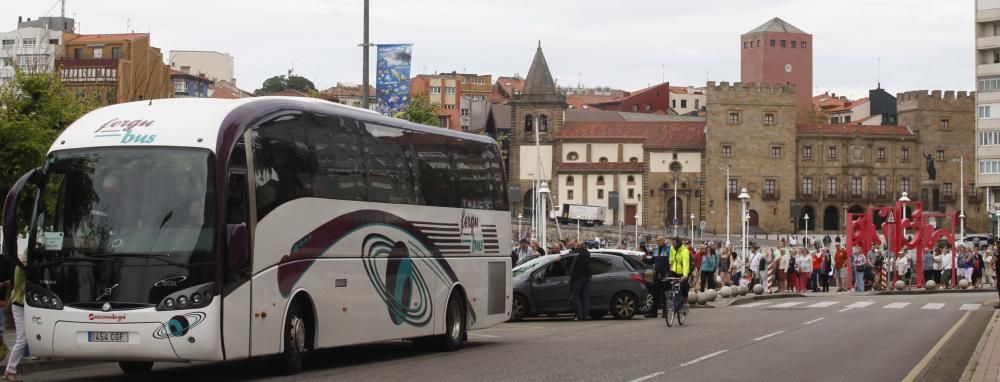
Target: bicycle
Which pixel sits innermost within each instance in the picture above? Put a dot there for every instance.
(674, 303)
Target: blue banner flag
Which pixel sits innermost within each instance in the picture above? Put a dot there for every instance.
(392, 78)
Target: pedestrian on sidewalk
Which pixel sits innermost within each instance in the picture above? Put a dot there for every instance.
(859, 262)
(523, 252)
(709, 263)
(903, 267)
(879, 283)
(17, 309)
(805, 269)
(840, 264)
(579, 282)
(793, 271)
(782, 269)
(988, 272)
(817, 262)
(826, 270)
(938, 256)
(725, 266)
(947, 268)
(754, 264)
(929, 265)
(977, 268)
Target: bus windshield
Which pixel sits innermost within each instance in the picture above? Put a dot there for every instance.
(113, 223)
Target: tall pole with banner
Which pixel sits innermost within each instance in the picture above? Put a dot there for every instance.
(392, 77)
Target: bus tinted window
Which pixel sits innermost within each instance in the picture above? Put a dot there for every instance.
(304, 155)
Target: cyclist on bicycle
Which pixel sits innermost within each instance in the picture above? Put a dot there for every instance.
(661, 265)
(680, 265)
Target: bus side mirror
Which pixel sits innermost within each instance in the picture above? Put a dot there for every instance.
(10, 216)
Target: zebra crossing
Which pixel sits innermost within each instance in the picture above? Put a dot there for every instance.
(847, 306)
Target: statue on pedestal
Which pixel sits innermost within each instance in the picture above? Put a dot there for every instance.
(931, 171)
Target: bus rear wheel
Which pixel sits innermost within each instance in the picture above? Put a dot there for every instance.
(136, 367)
(454, 329)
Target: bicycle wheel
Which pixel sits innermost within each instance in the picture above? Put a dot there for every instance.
(682, 314)
(668, 312)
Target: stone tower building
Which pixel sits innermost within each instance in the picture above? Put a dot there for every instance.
(778, 52)
(540, 103)
(751, 128)
(946, 124)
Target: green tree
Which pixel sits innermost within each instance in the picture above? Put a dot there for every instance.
(278, 83)
(34, 110)
(420, 111)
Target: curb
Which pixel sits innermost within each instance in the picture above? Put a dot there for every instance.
(744, 300)
(970, 367)
(43, 365)
(936, 291)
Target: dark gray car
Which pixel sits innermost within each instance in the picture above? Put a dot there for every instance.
(541, 286)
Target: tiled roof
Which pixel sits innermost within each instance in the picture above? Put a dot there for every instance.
(865, 119)
(347, 91)
(652, 134)
(777, 25)
(851, 129)
(289, 93)
(848, 105)
(592, 115)
(87, 38)
(606, 166)
(658, 116)
(539, 79)
(577, 102)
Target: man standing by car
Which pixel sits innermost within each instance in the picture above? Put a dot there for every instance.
(523, 253)
(579, 282)
(661, 266)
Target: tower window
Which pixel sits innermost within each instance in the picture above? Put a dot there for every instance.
(793, 44)
(768, 118)
(772, 43)
(734, 118)
(529, 126)
(630, 180)
(803, 45)
(543, 123)
(570, 181)
(782, 43)
(600, 180)
(744, 45)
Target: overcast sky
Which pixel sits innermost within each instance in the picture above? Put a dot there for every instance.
(627, 44)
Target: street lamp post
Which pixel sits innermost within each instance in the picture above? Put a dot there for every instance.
(904, 199)
(727, 206)
(692, 228)
(745, 221)
(543, 215)
(675, 207)
(806, 238)
(961, 186)
(519, 217)
(637, 232)
(578, 228)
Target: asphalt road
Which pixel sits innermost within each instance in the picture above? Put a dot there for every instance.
(826, 338)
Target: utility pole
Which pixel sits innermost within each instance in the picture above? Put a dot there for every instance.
(364, 76)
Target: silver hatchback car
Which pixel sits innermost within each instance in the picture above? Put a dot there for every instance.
(541, 286)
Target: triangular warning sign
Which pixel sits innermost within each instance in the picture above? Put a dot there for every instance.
(892, 217)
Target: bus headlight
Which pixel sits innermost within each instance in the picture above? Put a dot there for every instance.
(41, 297)
(197, 296)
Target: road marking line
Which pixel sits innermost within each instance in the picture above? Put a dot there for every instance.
(824, 304)
(844, 310)
(477, 335)
(752, 304)
(766, 336)
(813, 321)
(787, 304)
(896, 305)
(970, 306)
(912, 375)
(933, 306)
(861, 304)
(702, 358)
(651, 376)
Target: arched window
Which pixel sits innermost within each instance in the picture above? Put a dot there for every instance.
(543, 123)
(633, 159)
(529, 126)
(600, 180)
(572, 156)
(570, 181)
(603, 160)
(635, 107)
(630, 179)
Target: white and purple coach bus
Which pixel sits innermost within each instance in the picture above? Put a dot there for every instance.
(194, 229)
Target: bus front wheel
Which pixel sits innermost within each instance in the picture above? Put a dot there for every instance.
(136, 368)
(296, 332)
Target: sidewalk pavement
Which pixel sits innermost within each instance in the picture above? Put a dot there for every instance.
(985, 363)
(34, 365)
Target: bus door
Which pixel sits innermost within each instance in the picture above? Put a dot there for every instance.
(236, 259)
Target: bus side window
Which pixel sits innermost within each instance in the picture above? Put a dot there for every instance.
(237, 255)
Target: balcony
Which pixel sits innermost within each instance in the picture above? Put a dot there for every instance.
(990, 42)
(987, 69)
(879, 197)
(974, 197)
(855, 197)
(807, 197)
(834, 196)
(772, 195)
(948, 197)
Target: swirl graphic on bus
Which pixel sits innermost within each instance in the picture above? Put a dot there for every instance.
(403, 288)
(179, 325)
